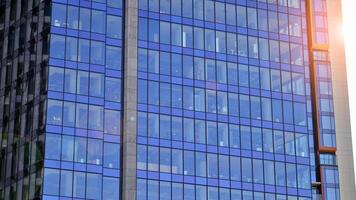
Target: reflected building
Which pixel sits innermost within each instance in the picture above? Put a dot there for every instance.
(173, 100)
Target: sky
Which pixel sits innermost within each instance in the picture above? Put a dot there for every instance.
(349, 30)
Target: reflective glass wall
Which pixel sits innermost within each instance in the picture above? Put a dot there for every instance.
(82, 141)
(223, 100)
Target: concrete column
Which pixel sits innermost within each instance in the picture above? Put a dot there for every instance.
(130, 102)
(341, 101)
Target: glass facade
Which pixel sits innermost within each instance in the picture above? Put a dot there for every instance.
(224, 100)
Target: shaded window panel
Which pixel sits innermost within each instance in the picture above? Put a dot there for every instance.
(199, 68)
(243, 75)
(254, 77)
(278, 141)
(230, 14)
(94, 186)
(188, 98)
(277, 110)
(263, 49)
(296, 54)
(114, 4)
(142, 124)
(187, 8)
(200, 131)
(209, 10)
(266, 109)
(165, 63)
(79, 184)
(291, 175)
(255, 107)
(153, 91)
(97, 52)
(220, 12)
(165, 127)
(268, 141)
(201, 164)
(221, 72)
(81, 116)
(57, 46)
(165, 94)
(252, 18)
(84, 19)
(300, 114)
(96, 85)
(67, 148)
(241, 16)
(245, 137)
(153, 125)
(274, 51)
(283, 23)
(176, 34)
(235, 167)
(55, 79)
(165, 190)
(257, 143)
(262, 20)
(177, 99)
(188, 67)
(142, 157)
(220, 42)
(98, 21)
(177, 162)
(276, 80)
(165, 160)
(269, 172)
(71, 48)
(231, 44)
(153, 31)
(273, 21)
(301, 142)
(66, 187)
(54, 112)
(113, 89)
(210, 70)
(176, 7)
(51, 181)
(200, 192)
(257, 172)
(284, 52)
(232, 74)
(142, 91)
(211, 101)
(244, 106)
(280, 171)
(253, 47)
(111, 186)
(212, 165)
(189, 163)
(242, 45)
(188, 130)
(288, 112)
(199, 38)
(211, 133)
(303, 174)
(223, 134)
(187, 37)
(112, 122)
(246, 166)
(59, 12)
(53, 146)
(80, 150)
(141, 189)
(153, 5)
(286, 82)
(165, 32)
(142, 28)
(83, 51)
(70, 81)
(165, 6)
(152, 158)
(114, 27)
(95, 151)
(113, 57)
(96, 118)
(234, 136)
(265, 79)
(153, 61)
(177, 128)
(210, 40)
(295, 26)
(142, 63)
(289, 143)
(198, 7)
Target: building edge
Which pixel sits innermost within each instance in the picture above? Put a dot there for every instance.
(341, 102)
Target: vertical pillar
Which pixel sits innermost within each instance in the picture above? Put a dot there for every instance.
(341, 101)
(129, 102)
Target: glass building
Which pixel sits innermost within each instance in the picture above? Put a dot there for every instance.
(173, 100)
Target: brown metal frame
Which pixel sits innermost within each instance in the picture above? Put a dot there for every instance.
(314, 46)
